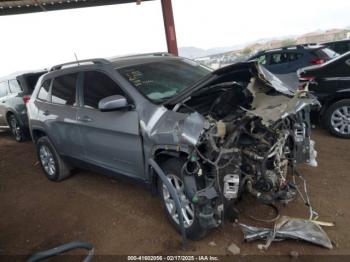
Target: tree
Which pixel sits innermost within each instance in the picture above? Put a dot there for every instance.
(246, 51)
(288, 42)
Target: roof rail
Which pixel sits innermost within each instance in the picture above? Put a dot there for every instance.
(94, 61)
(146, 54)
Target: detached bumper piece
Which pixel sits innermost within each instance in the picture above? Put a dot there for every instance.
(288, 228)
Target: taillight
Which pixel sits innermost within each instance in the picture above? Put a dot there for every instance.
(317, 61)
(26, 99)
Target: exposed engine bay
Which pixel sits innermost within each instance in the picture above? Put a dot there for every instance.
(246, 137)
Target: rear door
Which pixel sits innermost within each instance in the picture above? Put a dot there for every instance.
(59, 114)
(111, 139)
(3, 98)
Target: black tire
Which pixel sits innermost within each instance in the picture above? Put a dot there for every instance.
(195, 230)
(17, 131)
(332, 111)
(62, 169)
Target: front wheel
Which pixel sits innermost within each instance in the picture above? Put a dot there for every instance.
(172, 169)
(337, 118)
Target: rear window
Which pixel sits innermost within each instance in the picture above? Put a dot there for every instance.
(63, 89)
(31, 80)
(14, 86)
(325, 53)
(3, 89)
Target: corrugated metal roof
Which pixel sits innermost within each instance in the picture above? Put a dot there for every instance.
(8, 7)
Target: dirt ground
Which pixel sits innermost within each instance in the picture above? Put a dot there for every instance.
(121, 218)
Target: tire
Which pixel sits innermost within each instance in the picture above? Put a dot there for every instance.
(337, 119)
(52, 164)
(17, 130)
(172, 168)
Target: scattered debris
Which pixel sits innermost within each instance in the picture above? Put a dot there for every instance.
(325, 224)
(234, 249)
(261, 247)
(212, 244)
(294, 254)
(288, 228)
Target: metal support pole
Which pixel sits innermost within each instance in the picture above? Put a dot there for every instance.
(169, 27)
(174, 196)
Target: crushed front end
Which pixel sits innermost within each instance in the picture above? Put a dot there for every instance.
(247, 141)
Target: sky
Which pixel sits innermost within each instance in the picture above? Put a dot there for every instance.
(32, 41)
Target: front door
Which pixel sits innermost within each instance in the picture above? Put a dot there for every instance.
(111, 139)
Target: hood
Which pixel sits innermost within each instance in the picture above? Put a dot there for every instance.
(171, 127)
(242, 71)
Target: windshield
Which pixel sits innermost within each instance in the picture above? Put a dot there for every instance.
(162, 80)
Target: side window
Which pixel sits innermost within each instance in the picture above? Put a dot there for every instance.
(44, 90)
(294, 56)
(278, 58)
(3, 89)
(14, 86)
(63, 89)
(262, 60)
(97, 86)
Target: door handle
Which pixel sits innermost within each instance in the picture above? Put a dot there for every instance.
(3, 101)
(84, 119)
(46, 113)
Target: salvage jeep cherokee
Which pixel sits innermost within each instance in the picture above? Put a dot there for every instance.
(215, 134)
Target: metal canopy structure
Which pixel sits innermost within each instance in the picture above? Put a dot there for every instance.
(15, 7)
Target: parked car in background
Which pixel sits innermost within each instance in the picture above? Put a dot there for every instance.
(330, 83)
(289, 59)
(213, 134)
(341, 46)
(15, 91)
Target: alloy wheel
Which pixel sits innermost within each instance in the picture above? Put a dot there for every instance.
(15, 129)
(340, 120)
(47, 160)
(187, 206)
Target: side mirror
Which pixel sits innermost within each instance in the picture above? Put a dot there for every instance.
(112, 103)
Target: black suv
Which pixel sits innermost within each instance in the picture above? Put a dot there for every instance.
(289, 59)
(15, 91)
(341, 46)
(330, 83)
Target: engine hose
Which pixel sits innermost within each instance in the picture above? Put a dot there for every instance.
(265, 200)
(276, 217)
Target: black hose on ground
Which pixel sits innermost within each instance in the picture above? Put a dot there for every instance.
(64, 248)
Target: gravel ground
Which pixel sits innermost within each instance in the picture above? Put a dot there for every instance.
(121, 218)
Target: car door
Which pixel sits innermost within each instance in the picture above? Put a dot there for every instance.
(3, 98)
(111, 139)
(59, 115)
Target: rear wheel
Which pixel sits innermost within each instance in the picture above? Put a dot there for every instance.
(172, 169)
(51, 162)
(337, 118)
(16, 129)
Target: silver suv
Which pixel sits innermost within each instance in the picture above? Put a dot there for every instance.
(216, 135)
